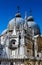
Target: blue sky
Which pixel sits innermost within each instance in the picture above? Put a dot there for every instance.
(8, 9)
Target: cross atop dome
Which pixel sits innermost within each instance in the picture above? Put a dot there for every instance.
(18, 8)
(30, 18)
(18, 12)
(30, 11)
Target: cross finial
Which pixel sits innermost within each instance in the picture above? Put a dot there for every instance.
(30, 11)
(18, 12)
(18, 7)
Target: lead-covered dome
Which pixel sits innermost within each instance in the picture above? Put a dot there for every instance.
(17, 20)
(33, 25)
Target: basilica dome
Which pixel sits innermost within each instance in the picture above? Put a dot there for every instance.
(15, 21)
(32, 24)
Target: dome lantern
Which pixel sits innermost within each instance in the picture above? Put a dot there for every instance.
(30, 18)
(18, 15)
(18, 12)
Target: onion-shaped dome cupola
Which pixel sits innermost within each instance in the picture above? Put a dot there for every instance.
(30, 18)
(33, 25)
(18, 15)
(15, 21)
